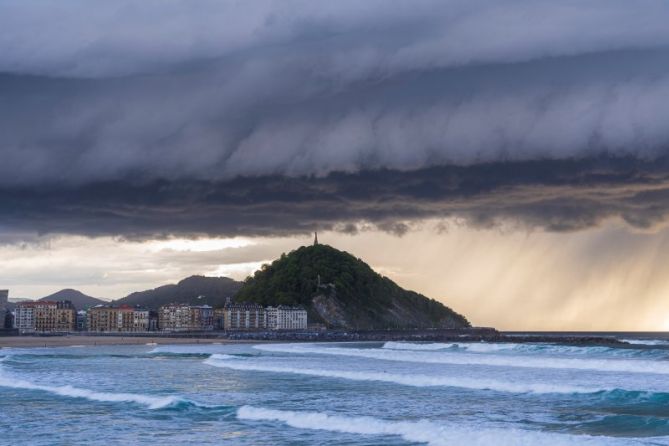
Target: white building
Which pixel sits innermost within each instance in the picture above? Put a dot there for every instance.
(246, 316)
(24, 318)
(141, 320)
(285, 318)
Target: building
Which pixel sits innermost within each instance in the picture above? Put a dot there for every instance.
(285, 318)
(244, 316)
(4, 300)
(174, 317)
(45, 317)
(81, 320)
(24, 317)
(182, 317)
(202, 317)
(121, 319)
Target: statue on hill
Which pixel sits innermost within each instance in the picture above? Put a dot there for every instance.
(315, 238)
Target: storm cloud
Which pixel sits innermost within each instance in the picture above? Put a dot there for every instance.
(152, 118)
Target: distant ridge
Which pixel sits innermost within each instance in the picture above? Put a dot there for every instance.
(194, 290)
(80, 300)
(342, 291)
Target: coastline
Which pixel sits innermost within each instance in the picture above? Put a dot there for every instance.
(70, 341)
(440, 335)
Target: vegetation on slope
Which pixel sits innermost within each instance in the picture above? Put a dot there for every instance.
(194, 290)
(367, 299)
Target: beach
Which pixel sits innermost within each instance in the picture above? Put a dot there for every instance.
(65, 341)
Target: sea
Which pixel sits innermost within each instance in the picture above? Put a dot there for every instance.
(392, 393)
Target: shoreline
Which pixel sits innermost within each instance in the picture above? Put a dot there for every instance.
(447, 335)
(76, 340)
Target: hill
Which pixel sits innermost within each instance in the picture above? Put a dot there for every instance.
(351, 295)
(80, 300)
(194, 290)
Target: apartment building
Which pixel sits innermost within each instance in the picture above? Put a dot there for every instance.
(182, 317)
(243, 317)
(285, 318)
(45, 317)
(123, 319)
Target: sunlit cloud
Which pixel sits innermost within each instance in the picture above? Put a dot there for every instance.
(198, 245)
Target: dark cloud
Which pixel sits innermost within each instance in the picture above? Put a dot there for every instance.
(156, 117)
(555, 195)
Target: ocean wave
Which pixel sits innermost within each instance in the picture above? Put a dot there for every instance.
(406, 380)
(448, 357)
(150, 401)
(533, 349)
(421, 431)
(652, 342)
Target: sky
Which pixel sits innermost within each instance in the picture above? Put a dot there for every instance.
(508, 158)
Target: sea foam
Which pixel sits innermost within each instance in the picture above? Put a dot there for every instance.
(457, 358)
(414, 380)
(421, 431)
(653, 342)
(152, 402)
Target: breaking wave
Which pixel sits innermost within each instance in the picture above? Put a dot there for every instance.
(406, 380)
(653, 342)
(149, 401)
(152, 402)
(451, 357)
(537, 348)
(421, 431)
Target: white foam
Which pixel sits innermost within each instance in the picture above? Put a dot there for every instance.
(406, 380)
(218, 356)
(187, 349)
(421, 431)
(447, 357)
(646, 341)
(391, 345)
(152, 402)
(478, 347)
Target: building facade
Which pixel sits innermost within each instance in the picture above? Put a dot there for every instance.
(243, 317)
(4, 300)
(82, 324)
(182, 317)
(285, 318)
(24, 318)
(45, 317)
(122, 319)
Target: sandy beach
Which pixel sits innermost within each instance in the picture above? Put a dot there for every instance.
(64, 341)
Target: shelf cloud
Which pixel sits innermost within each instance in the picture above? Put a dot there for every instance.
(273, 117)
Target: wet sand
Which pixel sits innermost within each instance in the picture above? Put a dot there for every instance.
(65, 341)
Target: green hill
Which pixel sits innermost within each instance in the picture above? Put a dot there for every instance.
(351, 294)
(194, 290)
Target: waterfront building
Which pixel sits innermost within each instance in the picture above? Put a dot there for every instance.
(285, 318)
(24, 318)
(4, 300)
(81, 320)
(182, 317)
(45, 317)
(121, 319)
(202, 317)
(219, 318)
(174, 317)
(245, 316)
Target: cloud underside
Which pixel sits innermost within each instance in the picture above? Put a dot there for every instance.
(553, 195)
(266, 117)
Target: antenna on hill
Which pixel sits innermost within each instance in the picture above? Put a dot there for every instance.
(315, 238)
